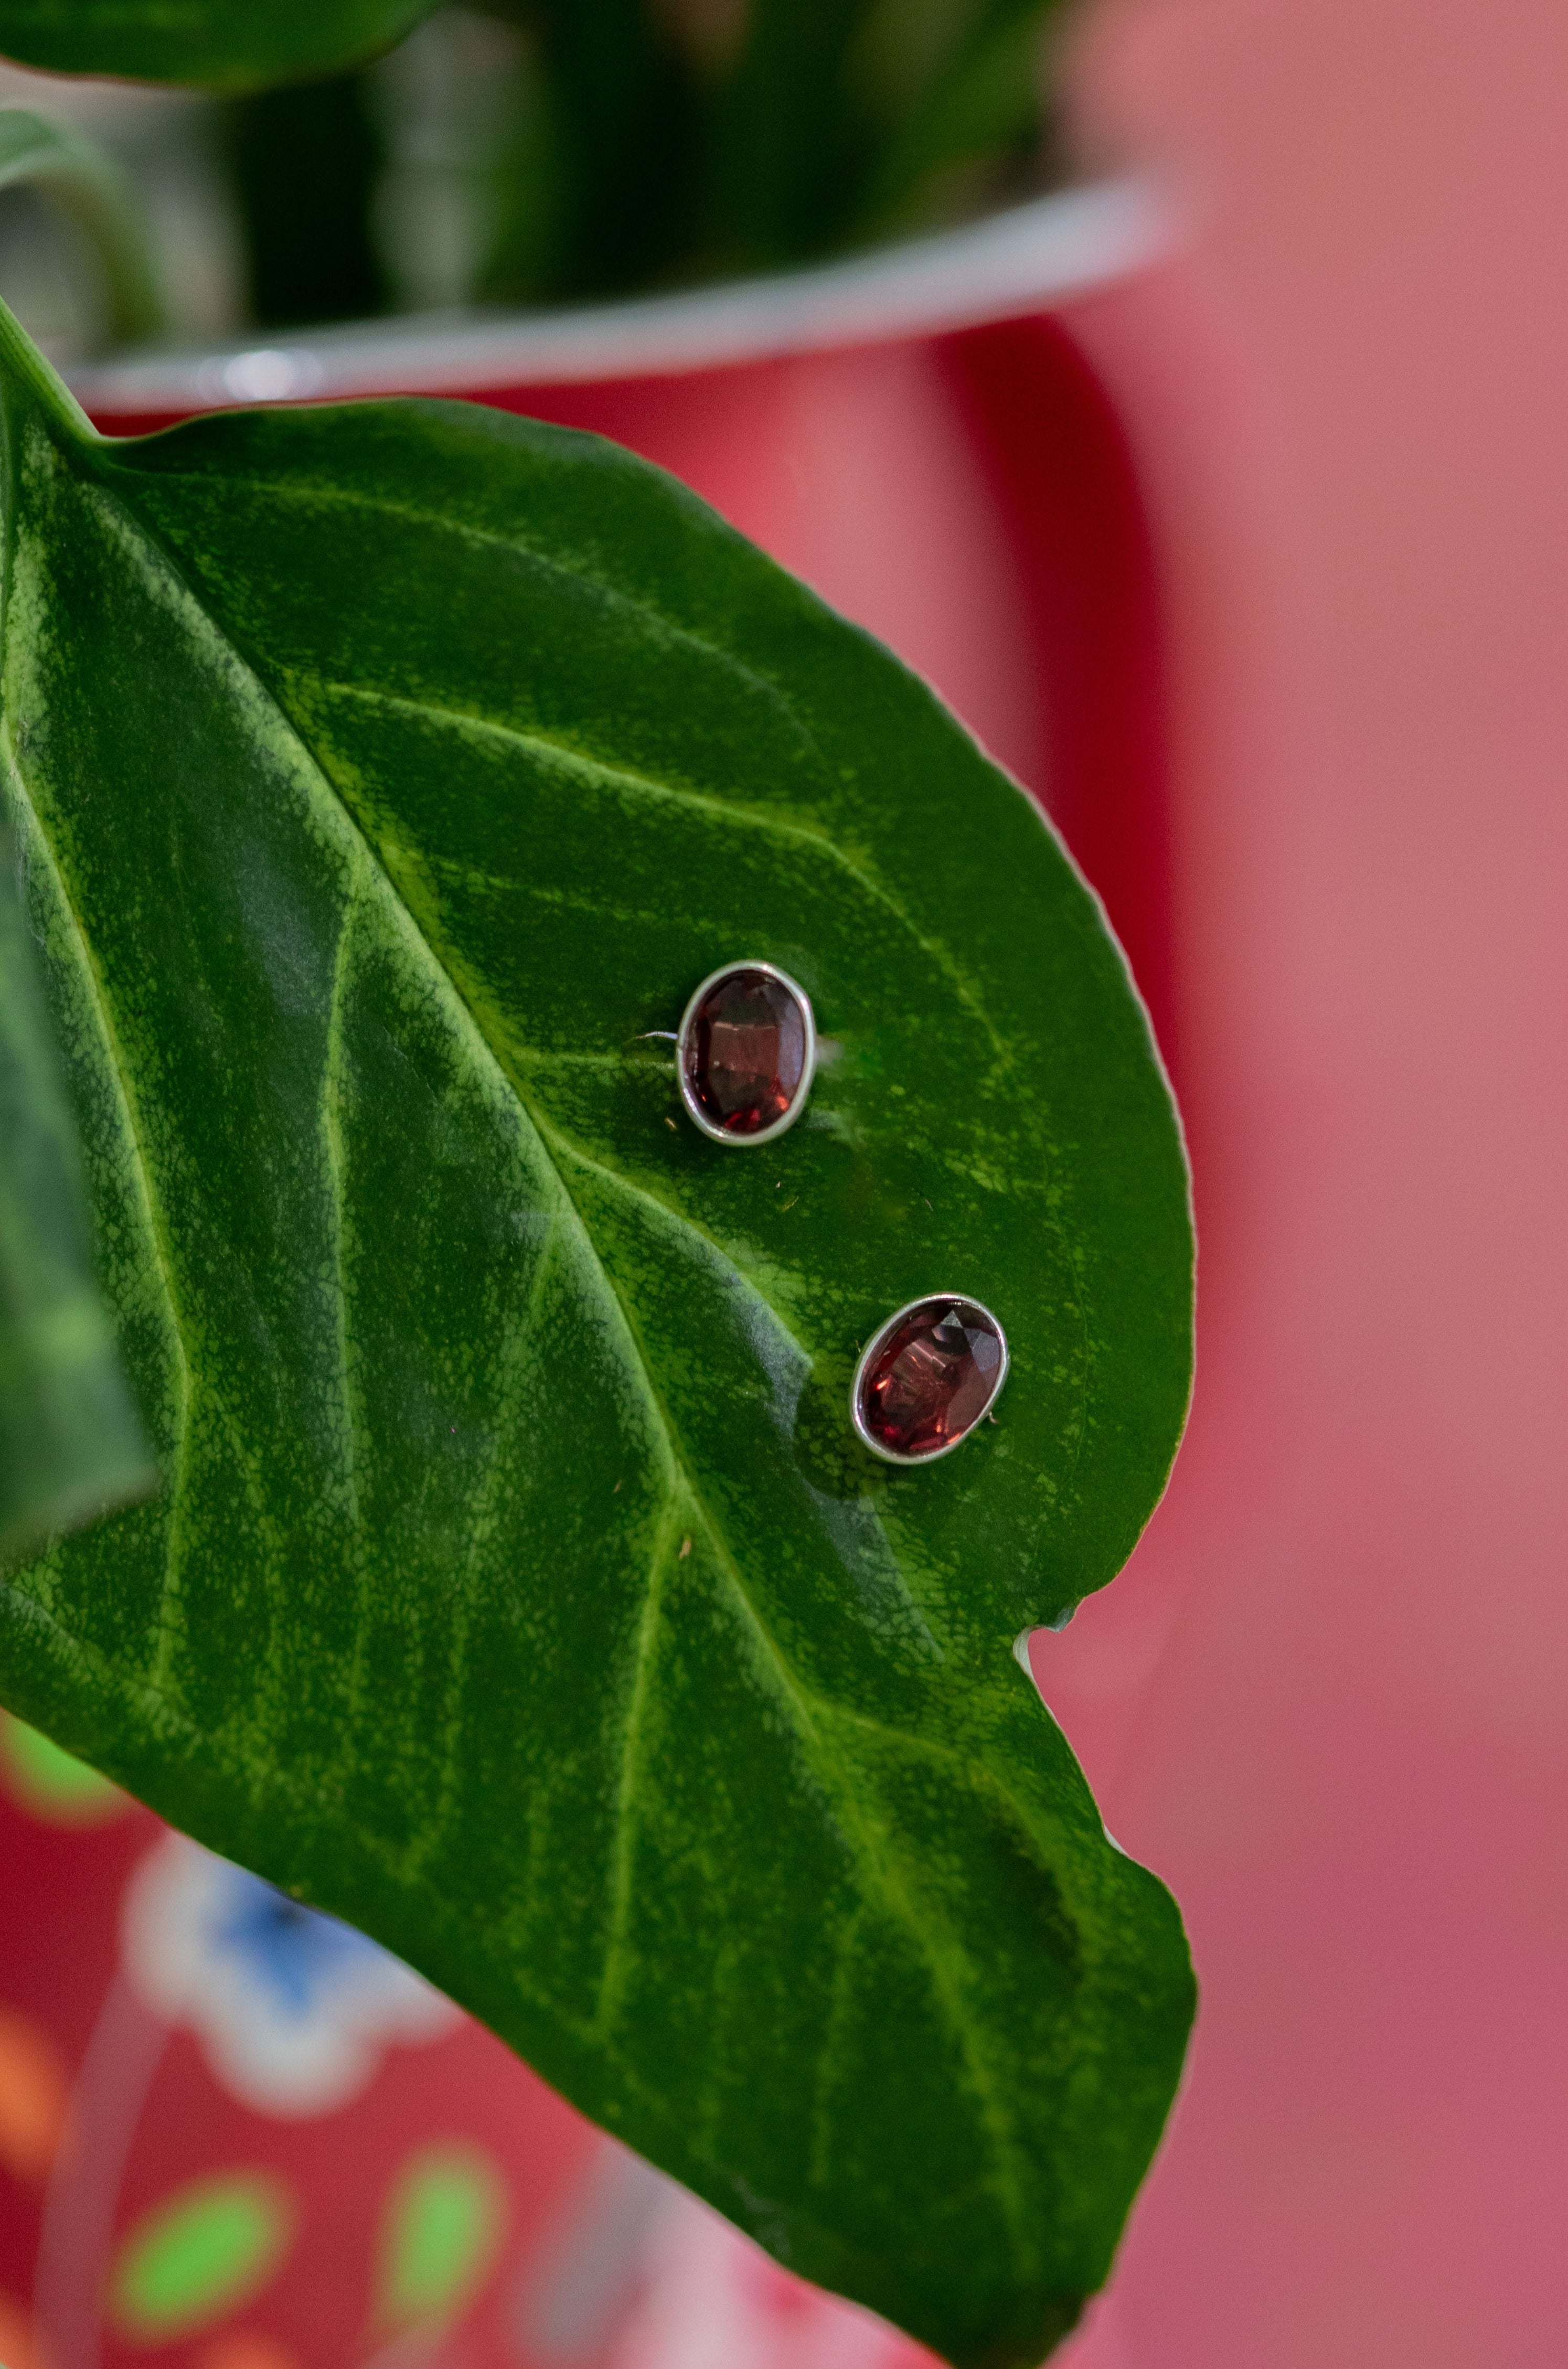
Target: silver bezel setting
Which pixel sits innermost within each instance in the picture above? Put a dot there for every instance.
(873, 1349)
(698, 1117)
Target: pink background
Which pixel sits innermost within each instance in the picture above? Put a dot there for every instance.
(1330, 1699)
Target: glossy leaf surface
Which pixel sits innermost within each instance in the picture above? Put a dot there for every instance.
(230, 45)
(521, 1592)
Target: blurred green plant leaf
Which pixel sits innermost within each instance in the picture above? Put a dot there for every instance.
(70, 1444)
(597, 188)
(647, 149)
(223, 45)
(982, 100)
(87, 184)
(789, 134)
(305, 165)
(838, 114)
(386, 775)
(649, 142)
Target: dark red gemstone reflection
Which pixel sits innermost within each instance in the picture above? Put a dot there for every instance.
(745, 1052)
(932, 1379)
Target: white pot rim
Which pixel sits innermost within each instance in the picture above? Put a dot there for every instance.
(1025, 259)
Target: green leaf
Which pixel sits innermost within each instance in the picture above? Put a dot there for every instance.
(688, 142)
(790, 140)
(597, 190)
(306, 166)
(69, 1441)
(984, 98)
(228, 45)
(199, 2255)
(87, 183)
(520, 1593)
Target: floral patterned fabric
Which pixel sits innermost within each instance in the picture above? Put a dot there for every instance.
(235, 2135)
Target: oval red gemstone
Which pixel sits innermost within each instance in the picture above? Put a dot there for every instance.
(930, 1377)
(744, 1051)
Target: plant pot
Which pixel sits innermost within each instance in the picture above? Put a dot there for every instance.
(920, 436)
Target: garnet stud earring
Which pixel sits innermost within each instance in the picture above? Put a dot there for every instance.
(926, 1377)
(745, 1052)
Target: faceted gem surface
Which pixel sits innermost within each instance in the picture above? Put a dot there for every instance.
(745, 1052)
(932, 1379)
